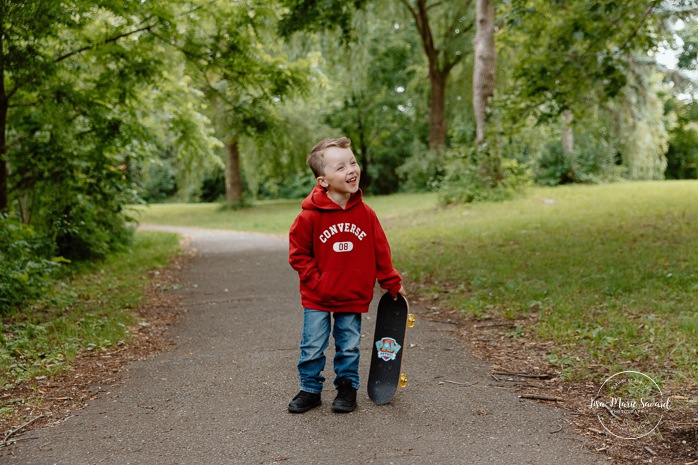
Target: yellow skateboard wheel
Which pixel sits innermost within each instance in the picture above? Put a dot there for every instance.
(411, 320)
(403, 379)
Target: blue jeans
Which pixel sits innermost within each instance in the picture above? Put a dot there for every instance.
(316, 337)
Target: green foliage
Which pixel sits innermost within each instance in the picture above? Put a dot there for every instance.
(25, 269)
(158, 181)
(213, 186)
(376, 93)
(74, 183)
(74, 128)
(311, 15)
(294, 186)
(593, 161)
(422, 172)
(89, 310)
(688, 56)
(571, 53)
(481, 175)
(682, 157)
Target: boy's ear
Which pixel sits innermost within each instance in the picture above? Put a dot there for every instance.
(322, 181)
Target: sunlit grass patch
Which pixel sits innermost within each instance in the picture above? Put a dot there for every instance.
(270, 216)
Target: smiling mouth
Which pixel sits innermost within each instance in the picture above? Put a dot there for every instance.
(352, 180)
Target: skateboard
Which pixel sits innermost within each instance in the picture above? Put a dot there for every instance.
(384, 375)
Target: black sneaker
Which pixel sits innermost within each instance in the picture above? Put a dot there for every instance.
(303, 402)
(345, 401)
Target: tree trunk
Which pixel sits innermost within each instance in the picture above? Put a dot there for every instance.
(4, 105)
(233, 177)
(438, 75)
(362, 145)
(567, 133)
(437, 111)
(484, 71)
(4, 173)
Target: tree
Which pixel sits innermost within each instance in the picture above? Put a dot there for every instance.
(80, 83)
(371, 94)
(457, 20)
(573, 53)
(69, 72)
(574, 57)
(484, 72)
(239, 64)
(443, 28)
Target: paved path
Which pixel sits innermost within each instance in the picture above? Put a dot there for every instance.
(220, 396)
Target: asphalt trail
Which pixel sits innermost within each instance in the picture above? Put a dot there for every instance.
(220, 396)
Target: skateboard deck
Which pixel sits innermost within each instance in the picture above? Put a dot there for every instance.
(384, 375)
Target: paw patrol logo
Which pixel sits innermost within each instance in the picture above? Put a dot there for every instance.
(387, 348)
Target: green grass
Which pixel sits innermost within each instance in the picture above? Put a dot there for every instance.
(269, 216)
(609, 272)
(89, 310)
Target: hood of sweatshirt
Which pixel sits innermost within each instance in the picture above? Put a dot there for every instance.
(319, 200)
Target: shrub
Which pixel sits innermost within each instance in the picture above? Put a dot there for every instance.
(473, 176)
(24, 266)
(682, 158)
(159, 182)
(293, 186)
(593, 161)
(213, 186)
(423, 171)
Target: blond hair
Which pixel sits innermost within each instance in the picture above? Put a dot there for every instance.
(316, 159)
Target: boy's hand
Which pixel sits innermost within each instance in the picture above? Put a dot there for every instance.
(401, 291)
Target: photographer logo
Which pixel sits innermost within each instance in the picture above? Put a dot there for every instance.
(630, 405)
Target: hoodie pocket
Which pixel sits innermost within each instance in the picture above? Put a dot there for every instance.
(345, 286)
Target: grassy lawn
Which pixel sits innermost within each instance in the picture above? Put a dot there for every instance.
(608, 272)
(270, 216)
(89, 310)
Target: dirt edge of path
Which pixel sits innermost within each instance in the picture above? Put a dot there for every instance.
(520, 364)
(50, 401)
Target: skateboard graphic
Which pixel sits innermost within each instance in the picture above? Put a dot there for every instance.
(384, 376)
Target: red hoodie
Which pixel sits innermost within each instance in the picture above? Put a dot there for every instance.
(339, 253)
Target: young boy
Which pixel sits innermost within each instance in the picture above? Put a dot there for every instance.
(339, 249)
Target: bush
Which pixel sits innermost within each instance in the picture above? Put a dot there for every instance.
(86, 232)
(422, 172)
(24, 266)
(86, 220)
(553, 167)
(159, 182)
(682, 158)
(474, 176)
(213, 186)
(593, 161)
(295, 186)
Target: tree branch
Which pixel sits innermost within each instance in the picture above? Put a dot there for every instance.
(409, 7)
(434, 5)
(23, 104)
(654, 4)
(108, 41)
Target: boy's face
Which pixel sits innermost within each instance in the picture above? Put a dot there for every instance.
(342, 172)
